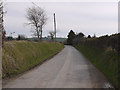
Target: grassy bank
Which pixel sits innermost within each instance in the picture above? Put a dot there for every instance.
(19, 56)
(104, 59)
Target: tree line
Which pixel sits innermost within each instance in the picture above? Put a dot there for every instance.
(112, 41)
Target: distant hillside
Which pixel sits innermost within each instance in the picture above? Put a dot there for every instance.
(49, 39)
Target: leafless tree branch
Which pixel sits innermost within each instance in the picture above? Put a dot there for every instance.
(52, 35)
(37, 19)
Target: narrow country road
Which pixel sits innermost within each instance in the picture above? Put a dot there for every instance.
(68, 69)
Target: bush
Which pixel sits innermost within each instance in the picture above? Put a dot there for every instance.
(9, 38)
(21, 37)
(112, 41)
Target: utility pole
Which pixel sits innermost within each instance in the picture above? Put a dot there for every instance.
(55, 26)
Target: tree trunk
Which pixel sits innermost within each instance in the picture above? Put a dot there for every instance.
(38, 36)
(41, 32)
(37, 32)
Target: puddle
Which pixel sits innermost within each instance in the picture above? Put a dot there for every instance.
(108, 85)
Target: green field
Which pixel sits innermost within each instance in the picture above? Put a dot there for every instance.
(20, 56)
(58, 39)
(104, 59)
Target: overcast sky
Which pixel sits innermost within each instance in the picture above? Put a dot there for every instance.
(99, 18)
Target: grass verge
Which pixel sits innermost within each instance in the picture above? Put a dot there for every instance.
(104, 59)
(20, 56)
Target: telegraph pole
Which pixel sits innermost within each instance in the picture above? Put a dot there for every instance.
(55, 26)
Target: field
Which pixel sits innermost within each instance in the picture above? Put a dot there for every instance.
(48, 39)
(19, 56)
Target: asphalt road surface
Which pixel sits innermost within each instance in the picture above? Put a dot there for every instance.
(68, 69)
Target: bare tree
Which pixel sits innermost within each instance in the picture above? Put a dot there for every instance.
(37, 19)
(52, 35)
